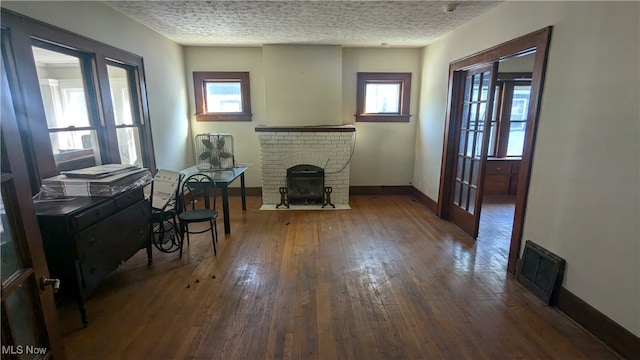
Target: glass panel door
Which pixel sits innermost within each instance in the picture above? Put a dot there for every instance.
(476, 113)
(28, 316)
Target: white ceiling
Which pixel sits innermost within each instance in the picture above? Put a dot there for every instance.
(347, 23)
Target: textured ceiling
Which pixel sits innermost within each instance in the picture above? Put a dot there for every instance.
(347, 23)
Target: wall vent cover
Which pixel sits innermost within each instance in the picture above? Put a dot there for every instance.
(540, 272)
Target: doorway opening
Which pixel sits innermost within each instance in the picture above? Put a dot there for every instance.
(472, 85)
(506, 134)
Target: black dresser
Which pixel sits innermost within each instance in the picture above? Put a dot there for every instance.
(86, 238)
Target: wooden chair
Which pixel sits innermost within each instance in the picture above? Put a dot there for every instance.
(192, 187)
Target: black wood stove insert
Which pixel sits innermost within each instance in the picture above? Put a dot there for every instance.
(305, 184)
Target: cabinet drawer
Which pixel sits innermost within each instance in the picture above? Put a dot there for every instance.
(129, 197)
(135, 230)
(101, 248)
(91, 271)
(498, 167)
(93, 215)
(496, 184)
(90, 243)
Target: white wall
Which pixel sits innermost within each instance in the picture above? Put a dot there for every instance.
(585, 183)
(163, 62)
(384, 152)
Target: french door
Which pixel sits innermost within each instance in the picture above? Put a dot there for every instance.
(29, 319)
(472, 117)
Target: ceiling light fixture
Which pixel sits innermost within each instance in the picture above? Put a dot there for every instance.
(449, 8)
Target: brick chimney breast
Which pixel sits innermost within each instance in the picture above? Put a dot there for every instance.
(327, 147)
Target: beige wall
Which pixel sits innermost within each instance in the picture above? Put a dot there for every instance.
(384, 151)
(303, 84)
(585, 182)
(245, 139)
(163, 62)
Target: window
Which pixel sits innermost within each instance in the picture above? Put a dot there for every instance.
(222, 96)
(83, 102)
(127, 127)
(383, 97)
(72, 127)
(509, 123)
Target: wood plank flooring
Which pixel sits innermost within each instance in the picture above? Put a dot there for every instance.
(384, 280)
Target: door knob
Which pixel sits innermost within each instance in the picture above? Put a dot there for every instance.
(44, 282)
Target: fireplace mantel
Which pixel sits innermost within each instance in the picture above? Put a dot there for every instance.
(317, 128)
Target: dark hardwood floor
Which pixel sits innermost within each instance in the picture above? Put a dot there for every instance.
(384, 280)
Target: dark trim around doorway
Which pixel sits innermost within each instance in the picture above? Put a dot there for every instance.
(539, 42)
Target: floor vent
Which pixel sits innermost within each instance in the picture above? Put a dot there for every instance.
(540, 272)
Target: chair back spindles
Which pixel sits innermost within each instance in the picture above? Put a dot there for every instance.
(192, 188)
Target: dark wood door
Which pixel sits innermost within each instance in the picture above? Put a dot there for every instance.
(473, 116)
(29, 318)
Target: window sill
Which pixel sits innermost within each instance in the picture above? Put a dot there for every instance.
(223, 117)
(382, 118)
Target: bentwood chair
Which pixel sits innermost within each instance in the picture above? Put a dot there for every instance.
(194, 210)
(163, 221)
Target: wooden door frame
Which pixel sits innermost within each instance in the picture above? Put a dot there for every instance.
(538, 41)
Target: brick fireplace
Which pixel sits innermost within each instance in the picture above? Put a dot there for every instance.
(327, 147)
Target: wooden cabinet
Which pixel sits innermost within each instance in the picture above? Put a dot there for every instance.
(86, 238)
(501, 177)
(515, 172)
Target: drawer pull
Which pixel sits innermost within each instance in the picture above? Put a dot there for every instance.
(498, 169)
(92, 270)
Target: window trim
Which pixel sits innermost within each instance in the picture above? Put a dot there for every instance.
(365, 78)
(199, 80)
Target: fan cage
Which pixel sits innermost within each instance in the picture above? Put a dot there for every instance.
(214, 151)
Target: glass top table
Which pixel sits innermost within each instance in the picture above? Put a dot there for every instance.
(223, 178)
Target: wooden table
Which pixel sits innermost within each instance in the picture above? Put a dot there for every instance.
(223, 178)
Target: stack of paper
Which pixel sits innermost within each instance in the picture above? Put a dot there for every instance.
(102, 185)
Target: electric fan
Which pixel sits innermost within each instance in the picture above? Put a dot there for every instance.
(214, 151)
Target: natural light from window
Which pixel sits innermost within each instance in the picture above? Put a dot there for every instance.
(126, 129)
(223, 97)
(65, 106)
(382, 98)
(518, 124)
